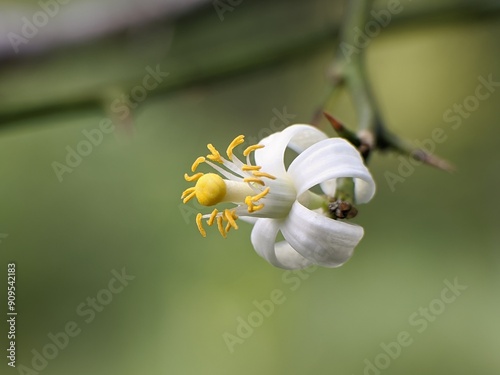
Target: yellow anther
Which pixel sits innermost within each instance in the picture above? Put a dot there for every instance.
(211, 219)
(197, 162)
(187, 192)
(210, 189)
(249, 203)
(257, 208)
(215, 156)
(236, 142)
(228, 227)
(249, 149)
(220, 227)
(200, 225)
(262, 194)
(230, 217)
(263, 174)
(189, 197)
(254, 179)
(193, 177)
(250, 167)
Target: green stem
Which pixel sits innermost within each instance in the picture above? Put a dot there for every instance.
(349, 68)
(345, 190)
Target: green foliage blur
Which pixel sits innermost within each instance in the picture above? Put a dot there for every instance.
(121, 208)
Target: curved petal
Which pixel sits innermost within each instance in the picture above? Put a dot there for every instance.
(329, 159)
(248, 219)
(278, 254)
(289, 258)
(329, 187)
(324, 241)
(297, 137)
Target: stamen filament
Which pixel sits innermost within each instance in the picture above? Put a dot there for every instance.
(223, 172)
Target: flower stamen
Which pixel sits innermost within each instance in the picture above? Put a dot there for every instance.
(197, 162)
(262, 194)
(249, 149)
(254, 179)
(247, 168)
(235, 143)
(231, 217)
(193, 177)
(213, 215)
(215, 155)
(220, 227)
(188, 194)
(199, 224)
(263, 174)
(251, 206)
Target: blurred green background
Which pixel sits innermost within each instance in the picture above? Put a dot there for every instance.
(120, 207)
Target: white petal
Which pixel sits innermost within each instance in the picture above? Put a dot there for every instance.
(248, 219)
(329, 187)
(329, 159)
(297, 137)
(289, 258)
(306, 137)
(278, 254)
(324, 241)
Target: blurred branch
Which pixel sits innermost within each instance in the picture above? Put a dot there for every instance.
(223, 69)
(204, 51)
(87, 20)
(349, 69)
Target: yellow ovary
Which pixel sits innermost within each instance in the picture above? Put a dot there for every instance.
(210, 189)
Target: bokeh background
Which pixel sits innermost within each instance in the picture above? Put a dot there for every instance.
(120, 207)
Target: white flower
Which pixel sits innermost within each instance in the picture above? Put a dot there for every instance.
(277, 199)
